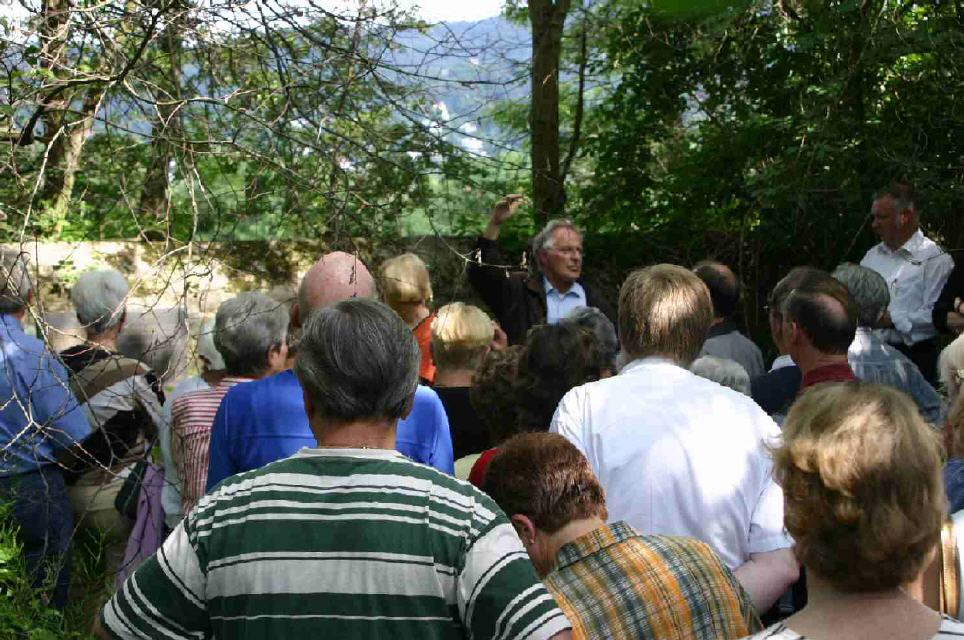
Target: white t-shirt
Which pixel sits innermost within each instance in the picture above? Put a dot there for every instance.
(680, 455)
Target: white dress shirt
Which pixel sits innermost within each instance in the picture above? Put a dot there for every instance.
(680, 455)
(559, 305)
(915, 275)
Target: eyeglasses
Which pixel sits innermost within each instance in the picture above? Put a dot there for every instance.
(569, 251)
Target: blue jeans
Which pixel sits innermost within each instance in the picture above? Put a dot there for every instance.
(41, 510)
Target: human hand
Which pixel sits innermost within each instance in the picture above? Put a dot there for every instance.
(499, 338)
(506, 207)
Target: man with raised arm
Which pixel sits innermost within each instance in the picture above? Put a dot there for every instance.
(520, 300)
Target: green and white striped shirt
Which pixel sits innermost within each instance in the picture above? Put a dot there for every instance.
(338, 543)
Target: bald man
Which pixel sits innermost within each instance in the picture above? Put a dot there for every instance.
(725, 339)
(263, 421)
(819, 322)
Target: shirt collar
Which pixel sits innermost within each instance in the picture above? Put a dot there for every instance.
(575, 290)
(722, 328)
(11, 322)
(377, 454)
(657, 361)
(838, 372)
(909, 248)
(596, 540)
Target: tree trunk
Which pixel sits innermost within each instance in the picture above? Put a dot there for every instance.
(548, 191)
(165, 130)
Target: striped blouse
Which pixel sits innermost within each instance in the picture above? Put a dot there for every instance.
(191, 418)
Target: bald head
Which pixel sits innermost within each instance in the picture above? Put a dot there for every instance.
(335, 277)
(723, 285)
(825, 312)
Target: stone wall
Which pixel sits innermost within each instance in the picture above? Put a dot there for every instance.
(174, 287)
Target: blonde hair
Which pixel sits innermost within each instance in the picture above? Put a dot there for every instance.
(405, 278)
(461, 334)
(861, 476)
(664, 310)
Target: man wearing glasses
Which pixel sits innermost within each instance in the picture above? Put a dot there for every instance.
(521, 300)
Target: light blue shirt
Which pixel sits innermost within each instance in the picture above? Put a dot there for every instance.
(559, 305)
(38, 413)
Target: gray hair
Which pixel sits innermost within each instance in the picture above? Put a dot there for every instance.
(246, 327)
(16, 285)
(724, 371)
(543, 239)
(100, 299)
(358, 360)
(206, 348)
(601, 327)
(868, 290)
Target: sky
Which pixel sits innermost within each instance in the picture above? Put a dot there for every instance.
(456, 10)
(430, 10)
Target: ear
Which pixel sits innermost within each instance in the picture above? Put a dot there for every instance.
(309, 404)
(295, 320)
(525, 528)
(408, 406)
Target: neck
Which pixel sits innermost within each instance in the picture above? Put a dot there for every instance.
(213, 377)
(560, 285)
(106, 340)
(812, 359)
(717, 320)
(571, 531)
(821, 593)
(453, 377)
(357, 434)
(413, 313)
(901, 241)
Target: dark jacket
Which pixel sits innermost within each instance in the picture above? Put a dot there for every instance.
(953, 288)
(518, 300)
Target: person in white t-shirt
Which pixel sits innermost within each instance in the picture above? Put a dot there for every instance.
(678, 454)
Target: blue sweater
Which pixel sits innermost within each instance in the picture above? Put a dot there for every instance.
(262, 421)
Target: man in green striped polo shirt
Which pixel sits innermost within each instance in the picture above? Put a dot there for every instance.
(347, 540)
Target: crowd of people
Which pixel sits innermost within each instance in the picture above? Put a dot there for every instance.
(361, 463)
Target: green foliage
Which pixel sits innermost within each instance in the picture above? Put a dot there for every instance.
(758, 135)
(23, 615)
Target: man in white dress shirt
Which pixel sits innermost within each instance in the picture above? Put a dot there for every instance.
(678, 454)
(915, 269)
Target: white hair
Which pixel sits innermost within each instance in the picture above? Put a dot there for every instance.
(543, 239)
(724, 371)
(15, 276)
(950, 367)
(206, 348)
(246, 327)
(100, 299)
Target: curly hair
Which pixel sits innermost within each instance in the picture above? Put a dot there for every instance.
(557, 358)
(493, 392)
(861, 477)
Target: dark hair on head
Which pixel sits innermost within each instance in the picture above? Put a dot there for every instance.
(723, 285)
(557, 358)
(797, 277)
(493, 392)
(543, 476)
(358, 360)
(902, 192)
(825, 312)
